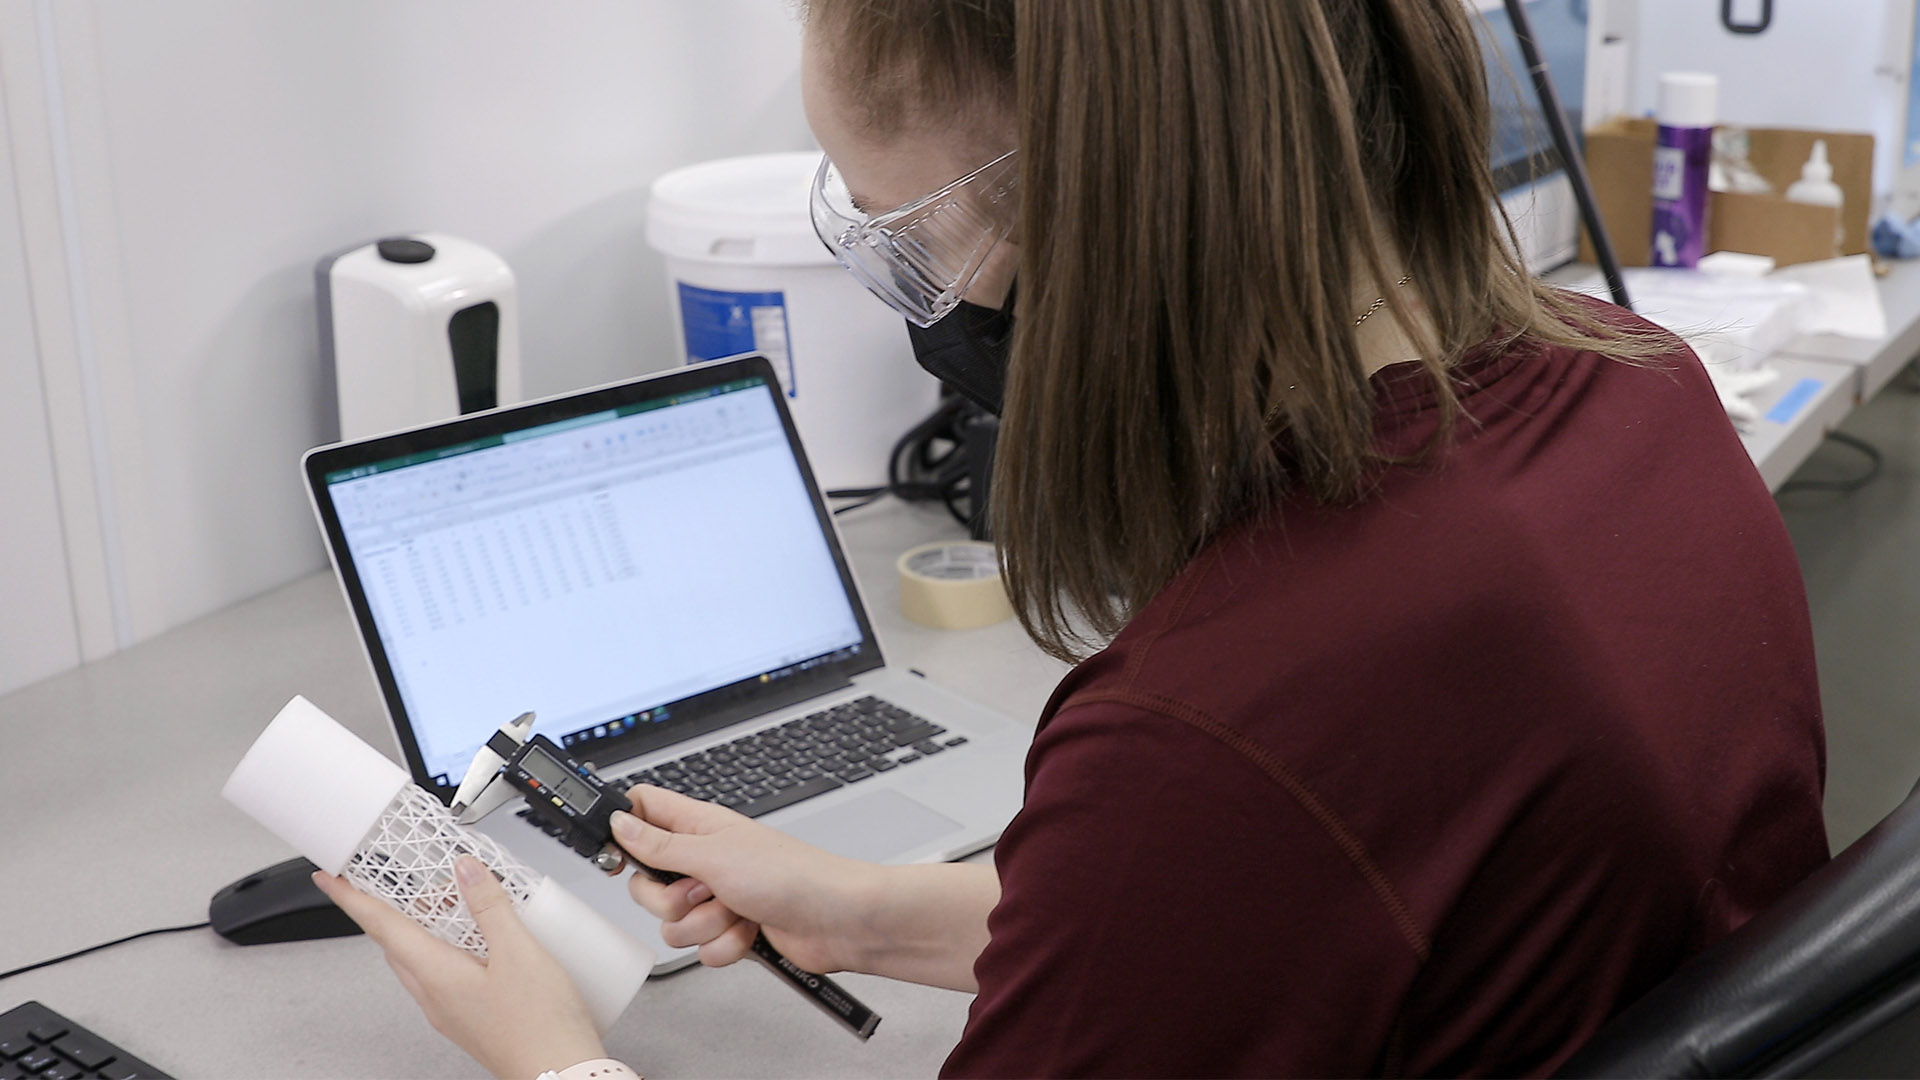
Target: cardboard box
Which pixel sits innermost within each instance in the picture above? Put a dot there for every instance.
(1620, 164)
(1620, 161)
(1791, 232)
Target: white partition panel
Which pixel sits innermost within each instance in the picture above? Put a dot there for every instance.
(213, 149)
(37, 635)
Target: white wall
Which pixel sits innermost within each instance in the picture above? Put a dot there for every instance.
(37, 633)
(213, 149)
(1824, 64)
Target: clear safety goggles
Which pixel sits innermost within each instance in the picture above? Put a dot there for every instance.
(920, 258)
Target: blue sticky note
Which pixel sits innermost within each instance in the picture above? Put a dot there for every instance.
(1793, 401)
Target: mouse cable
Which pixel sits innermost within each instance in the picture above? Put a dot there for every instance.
(102, 945)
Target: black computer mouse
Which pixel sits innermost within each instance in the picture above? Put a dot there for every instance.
(280, 903)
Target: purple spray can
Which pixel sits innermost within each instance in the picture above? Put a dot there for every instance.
(1680, 166)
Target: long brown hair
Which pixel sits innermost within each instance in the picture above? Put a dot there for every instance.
(1206, 186)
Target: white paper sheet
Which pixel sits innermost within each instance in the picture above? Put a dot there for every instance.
(1845, 297)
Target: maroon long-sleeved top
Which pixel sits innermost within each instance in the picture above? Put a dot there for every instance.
(1433, 784)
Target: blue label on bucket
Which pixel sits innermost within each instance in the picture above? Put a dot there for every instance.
(722, 323)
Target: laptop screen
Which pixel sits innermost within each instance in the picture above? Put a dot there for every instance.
(597, 569)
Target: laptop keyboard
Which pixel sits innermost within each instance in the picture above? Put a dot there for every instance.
(37, 1042)
(820, 752)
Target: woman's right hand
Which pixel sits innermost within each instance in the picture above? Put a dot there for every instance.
(742, 878)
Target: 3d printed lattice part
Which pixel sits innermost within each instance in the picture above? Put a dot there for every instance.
(407, 861)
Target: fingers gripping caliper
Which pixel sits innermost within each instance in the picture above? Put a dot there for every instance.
(576, 807)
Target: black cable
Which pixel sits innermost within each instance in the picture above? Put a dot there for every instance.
(852, 506)
(102, 945)
(1875, 461)
(1570, 158)
(917, 471)
(928, 463)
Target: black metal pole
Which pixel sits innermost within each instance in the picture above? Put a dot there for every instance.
(1576, 166)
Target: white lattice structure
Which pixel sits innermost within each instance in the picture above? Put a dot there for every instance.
(407, 860)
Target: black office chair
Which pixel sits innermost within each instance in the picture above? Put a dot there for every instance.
(1824, 983)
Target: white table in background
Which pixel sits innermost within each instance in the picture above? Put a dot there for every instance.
(1876, 361)
(1797, 411)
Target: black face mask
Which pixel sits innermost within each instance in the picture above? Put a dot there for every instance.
(967, 350)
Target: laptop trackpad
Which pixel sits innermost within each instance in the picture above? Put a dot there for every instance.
(874, 827)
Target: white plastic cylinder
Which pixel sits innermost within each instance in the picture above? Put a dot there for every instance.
(745, 273)
(314, 784)
(352, 812)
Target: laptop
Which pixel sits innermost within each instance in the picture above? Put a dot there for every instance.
(650, 568)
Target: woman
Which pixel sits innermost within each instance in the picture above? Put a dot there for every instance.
(1457, 681)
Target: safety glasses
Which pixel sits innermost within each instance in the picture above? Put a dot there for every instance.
(920, 258)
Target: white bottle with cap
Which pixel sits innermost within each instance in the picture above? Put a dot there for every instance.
(1816, 188)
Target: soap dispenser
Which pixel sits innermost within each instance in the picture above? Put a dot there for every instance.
(416, 329)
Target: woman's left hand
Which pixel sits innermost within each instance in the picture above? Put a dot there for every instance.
(516, 1012)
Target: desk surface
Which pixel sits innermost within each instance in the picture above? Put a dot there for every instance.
(117, 826)
(1877, 361)
(1810, 399)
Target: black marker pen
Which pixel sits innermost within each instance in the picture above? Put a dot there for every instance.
(822, 991)
(577, 808)
(829, 996)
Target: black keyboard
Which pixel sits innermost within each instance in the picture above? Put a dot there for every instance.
(820, 752)
(39, 1043)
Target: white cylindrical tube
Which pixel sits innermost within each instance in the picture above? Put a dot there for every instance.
(354, 813)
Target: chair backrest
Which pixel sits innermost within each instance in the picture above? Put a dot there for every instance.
(1823, 980)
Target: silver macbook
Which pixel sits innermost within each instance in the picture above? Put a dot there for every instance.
(650, 568)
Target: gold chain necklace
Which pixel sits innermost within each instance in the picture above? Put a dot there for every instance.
(1382, 302)
(1372, 309)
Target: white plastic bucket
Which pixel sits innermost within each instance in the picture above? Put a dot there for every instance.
(745, 273)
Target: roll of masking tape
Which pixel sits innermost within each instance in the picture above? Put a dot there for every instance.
(953, 585)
